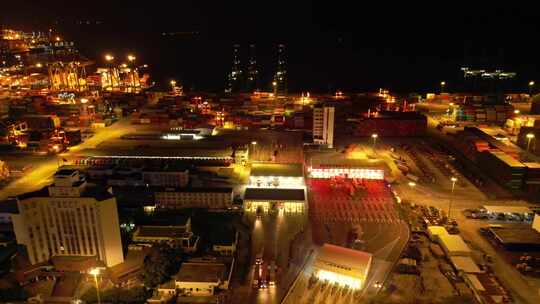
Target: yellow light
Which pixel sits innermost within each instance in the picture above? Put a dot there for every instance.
(530, 136)
(123, 65)
(412, 184)
(340, 279)
(94, 272)
(58, 38)
(531, 83)
(374, 135)
(274, 83)
(84, 100)
(109, 57)
(453, 179)
(39, 65)
(443, 83)
(516, 111)
(131, 58)
(173, 83)
(254, 143)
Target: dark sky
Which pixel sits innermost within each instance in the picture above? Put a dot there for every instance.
(330, 44)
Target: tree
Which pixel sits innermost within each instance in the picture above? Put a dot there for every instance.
(162, 262)
(16, 293)
(117, 295)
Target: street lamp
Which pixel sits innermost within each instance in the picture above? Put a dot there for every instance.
(443, 84)
(109, 58)
(412, 184)
(529, 136)
(254, 143)
(95, 273)
(173, 83)
(374, 136)
(454, 180)
(531, 87)
(516, 111)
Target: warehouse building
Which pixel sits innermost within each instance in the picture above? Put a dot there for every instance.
(277, 175)
(342, 265)
(291, 200)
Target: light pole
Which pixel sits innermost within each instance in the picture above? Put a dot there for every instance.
(443, 85)
(131, 59)
(531, 87)
(274, 86)
(374, 136)
(109, 58)
(529, 136)
(95, 273)
(454, 180)
(173, 84)
(254, 144)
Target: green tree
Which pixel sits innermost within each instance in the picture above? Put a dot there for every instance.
(162, 262)
(117, 295)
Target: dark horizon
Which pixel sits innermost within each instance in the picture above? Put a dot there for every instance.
(337, 46)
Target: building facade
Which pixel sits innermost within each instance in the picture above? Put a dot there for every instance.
(323, 125)
(179, 198)
(69, 218)
(166, 178)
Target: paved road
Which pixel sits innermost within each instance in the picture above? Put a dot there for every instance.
(272, 235)
(43, 169)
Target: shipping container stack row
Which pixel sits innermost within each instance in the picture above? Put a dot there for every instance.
(492, 113)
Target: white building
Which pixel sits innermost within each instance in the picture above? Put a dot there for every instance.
(323, 125)
(69, 218)
(201, 279)
(268, 175)
(342, 265)
(290, 200)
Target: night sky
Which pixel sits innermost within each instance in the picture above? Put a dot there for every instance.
(330, 44)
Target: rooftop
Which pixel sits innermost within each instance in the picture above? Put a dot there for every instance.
(100, 193)
(264, 169)
(201, 272)
(225, 236)
(161, 231)
(507, 159)
(274, 194)
(194, 189)
(517, 236)
(345, 256)
(65, 172)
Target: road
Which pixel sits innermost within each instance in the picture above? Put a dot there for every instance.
(272, 235)
(43, 169)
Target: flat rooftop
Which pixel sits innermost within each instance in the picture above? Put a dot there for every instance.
(507, 159)
(201, 272)
(274, 194)
(517, 236)
(194, 189)
(292, 170)
(344, 256)
(161, 232)
(507, 209)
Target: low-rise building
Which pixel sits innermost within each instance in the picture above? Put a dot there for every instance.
(224, 241)
(277, 175)
(342, 265)
(180, 235)
(291, 200)
(202, 279)
(168, 176)
(180, 198)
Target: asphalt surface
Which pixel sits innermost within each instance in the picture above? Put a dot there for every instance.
(44, 168)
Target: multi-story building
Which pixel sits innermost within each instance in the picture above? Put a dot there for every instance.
(323, 125)
(179, 198)
(69, 218)
(166, 177)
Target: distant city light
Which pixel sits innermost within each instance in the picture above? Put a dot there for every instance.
(109, 57)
